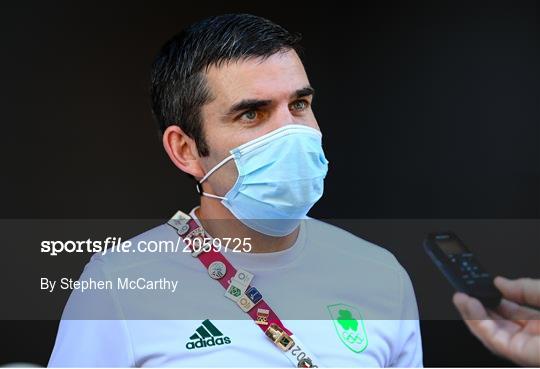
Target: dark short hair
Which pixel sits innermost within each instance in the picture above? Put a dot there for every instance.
(178, 84)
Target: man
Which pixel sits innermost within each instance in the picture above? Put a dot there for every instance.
(233, 102)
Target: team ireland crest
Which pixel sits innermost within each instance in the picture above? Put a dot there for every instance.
(349, 326)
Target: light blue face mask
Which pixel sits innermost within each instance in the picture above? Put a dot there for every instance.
(280, 177)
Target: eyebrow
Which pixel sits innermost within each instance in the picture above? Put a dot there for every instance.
(303, 92)
(254, 104)
(249, 104)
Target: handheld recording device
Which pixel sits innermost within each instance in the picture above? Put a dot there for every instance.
(461, 268)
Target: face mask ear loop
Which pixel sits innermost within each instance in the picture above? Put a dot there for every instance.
(216, 167)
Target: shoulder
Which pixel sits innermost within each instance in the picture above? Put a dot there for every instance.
(332, 240)
(365, 267)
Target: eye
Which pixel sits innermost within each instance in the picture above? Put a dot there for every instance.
(299, 105)
(249, 115)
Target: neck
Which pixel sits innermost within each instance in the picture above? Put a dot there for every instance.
(220, 223)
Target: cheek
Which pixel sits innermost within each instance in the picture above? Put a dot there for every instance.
(228, 177)
(225, 176)
(223, 179)
(311, 121)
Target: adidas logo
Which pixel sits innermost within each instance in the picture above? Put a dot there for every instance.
(207, 335)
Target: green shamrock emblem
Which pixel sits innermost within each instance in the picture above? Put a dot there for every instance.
(347, 321)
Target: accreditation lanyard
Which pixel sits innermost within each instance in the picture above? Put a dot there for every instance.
(237, 284)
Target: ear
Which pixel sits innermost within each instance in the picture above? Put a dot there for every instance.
(182, 151)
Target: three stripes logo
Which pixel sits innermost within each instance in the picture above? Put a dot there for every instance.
(207, 335)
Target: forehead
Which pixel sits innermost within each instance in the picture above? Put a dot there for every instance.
(275, 77)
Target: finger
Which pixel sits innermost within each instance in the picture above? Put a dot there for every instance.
(469, 307)
(520, 314)
(522, 290)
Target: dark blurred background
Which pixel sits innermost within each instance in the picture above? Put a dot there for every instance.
(429, 110)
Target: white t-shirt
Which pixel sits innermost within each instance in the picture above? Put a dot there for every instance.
(343, 276)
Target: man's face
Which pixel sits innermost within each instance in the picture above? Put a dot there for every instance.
(251, 98)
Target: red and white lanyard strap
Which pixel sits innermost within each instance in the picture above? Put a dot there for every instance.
(237, 284)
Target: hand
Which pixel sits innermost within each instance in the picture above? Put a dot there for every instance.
(512, 330)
